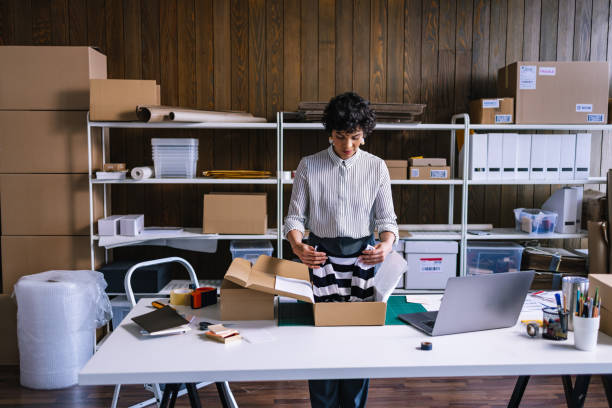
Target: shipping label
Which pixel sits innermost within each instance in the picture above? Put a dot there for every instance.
(430, 265)
(414, 173)
(490, 103)
(584, 107)
(438, 174)
(550, 71)
(527, 77)
(503, 118)
(595, 118)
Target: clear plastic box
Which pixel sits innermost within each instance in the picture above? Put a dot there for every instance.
(534, 220)
(493, 257)
(175, 157)
(250, 249)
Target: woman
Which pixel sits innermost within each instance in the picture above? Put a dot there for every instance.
(342, 194)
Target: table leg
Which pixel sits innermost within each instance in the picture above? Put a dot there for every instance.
(221, 391)
(581, 387)
(607, 383)
(168, 391)
(569, 389)
(174, 395)
(192, 392)
(519, 389)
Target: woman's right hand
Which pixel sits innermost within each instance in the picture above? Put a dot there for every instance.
(308, 255)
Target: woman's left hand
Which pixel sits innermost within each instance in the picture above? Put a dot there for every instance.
(376, 255)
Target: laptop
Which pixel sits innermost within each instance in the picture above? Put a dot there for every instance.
(473, 303)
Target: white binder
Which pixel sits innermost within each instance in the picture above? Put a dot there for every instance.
(477, 167)
(494, 156)
(563, 202)
(523, 156)
(568, 156)
(538, 157)
(509, 156)
(553, 156)
(583, 156)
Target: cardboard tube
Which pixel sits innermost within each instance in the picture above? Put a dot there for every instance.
(598, 247)
(141, 173)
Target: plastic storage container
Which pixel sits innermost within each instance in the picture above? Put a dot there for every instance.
(430, 263)
(493, 257)
(535, 221)
(175, 158)
(250, 249)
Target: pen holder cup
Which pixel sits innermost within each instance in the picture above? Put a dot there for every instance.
(554, 323)
(585, 332)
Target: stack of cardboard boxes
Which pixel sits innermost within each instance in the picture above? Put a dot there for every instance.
(44, 192)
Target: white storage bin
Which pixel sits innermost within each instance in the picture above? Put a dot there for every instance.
(430, 263)
(250, 249)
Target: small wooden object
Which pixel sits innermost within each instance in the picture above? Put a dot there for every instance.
(222, 334)
(114, 166)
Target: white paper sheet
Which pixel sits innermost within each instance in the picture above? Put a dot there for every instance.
(537, 300)
(431, 303)
(257, 335)
(387, 277)
(295, 286)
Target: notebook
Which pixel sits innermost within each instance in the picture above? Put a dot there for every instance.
(162, 321)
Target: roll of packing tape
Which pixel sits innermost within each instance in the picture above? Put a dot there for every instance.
(533, 329)
(426, 345)
(180, 297)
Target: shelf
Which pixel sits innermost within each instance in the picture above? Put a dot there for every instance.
(182, 125)
(412, 182)
(512, 234)
(198, 180)
(429, 235)
(542, 127)
(590, 180)
(380, 126)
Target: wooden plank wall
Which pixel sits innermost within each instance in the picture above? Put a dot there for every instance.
(263, 56)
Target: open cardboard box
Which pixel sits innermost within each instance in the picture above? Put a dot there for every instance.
(291, 279)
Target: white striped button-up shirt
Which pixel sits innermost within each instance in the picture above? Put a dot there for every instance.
(341, 198)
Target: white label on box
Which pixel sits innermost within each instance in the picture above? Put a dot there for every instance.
(490, 103)
(584, 107)
(503, 118)
(550, 71)
(595, 117)
(414, 173)
(438, 174)
(430, 265)
(527, 77)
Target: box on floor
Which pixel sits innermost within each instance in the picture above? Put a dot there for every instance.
(116, 99)
(48, 77)
(9, 354)
(604, 283)
(28, 255)
(492, 111)
(262, 276)
(47, 142)
(235, 213)
(556, 92)
(47, 204)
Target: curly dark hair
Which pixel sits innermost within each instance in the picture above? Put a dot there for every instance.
(349, 112)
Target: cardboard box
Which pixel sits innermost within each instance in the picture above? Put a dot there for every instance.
(492, 111)
(235, 213)
(430, 173)
(398, 169)
(556, 92)
(48, 77)
(9, 354)
(609, 110)
(262, 276)
(604, 283)
(233, 299)
(116, 99)
(34, 254)
(47, 142)
(425, 161)
(47, 204)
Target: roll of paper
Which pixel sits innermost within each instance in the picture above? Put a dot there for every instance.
(141, 173)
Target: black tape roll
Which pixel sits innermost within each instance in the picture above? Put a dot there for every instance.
(426, 345)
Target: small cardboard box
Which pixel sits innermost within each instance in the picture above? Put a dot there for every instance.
(233, 299)
(262, 277)
(9, 354)
(398, 169)
(47, 204)
(47, 142)
(425, 161)
(604, 283)
(34, 254)
(430, 173)
(48, 77)
(492, 111)
(235, 213)
(556, 92)
(116, 99)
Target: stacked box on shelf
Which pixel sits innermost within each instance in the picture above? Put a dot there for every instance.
(44, 196)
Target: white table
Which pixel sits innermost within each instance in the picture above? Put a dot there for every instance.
(274, 353)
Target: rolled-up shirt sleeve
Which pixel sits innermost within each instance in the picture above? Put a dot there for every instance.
(384, 215)
(297, 216)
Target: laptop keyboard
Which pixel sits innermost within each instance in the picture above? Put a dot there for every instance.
(429, 323)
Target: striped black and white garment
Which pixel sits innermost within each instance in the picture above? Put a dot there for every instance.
(341, 198)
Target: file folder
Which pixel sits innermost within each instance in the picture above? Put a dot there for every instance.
(568, 156)
(563, 202)
(494, 156)
(523, 156)
(538, 157)
(553, 156)
(477, 166)
(509, 156)
(583, 156)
